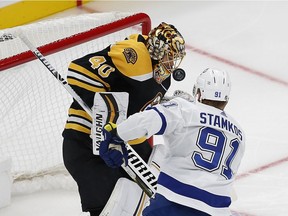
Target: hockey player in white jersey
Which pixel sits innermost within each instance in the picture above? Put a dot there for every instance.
(204, 147)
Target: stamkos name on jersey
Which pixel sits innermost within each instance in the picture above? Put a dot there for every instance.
(221, 122)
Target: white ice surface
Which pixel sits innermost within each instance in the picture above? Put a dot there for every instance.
(248, 39)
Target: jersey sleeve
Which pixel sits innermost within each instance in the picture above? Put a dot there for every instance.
(92, 73)
(82, 76)
(157, 120)
(140, 125)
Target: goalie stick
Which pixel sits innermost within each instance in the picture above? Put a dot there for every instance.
(137, 169)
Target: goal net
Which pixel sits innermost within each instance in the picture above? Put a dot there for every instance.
(33, 105)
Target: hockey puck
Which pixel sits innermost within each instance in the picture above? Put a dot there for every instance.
(178, 74)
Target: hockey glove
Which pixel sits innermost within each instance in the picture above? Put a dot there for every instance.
(112, 149)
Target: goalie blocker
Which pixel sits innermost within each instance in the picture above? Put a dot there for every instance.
(112, 107)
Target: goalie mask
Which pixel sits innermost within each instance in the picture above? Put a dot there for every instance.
(213, 84)
(166, 46)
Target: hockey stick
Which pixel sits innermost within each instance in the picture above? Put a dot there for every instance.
(102, 111)
(137, 169)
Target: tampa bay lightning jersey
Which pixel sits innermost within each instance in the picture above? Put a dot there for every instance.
(204, 148)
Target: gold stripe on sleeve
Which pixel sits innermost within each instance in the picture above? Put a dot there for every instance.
(78, 128)
(81, 113)
(83, 70)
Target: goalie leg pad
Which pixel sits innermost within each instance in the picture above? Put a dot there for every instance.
(123, 200)
(127, 197)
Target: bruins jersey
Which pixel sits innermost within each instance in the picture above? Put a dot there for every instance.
(125, 66)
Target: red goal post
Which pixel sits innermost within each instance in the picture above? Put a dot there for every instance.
(94, 33)
(33, 105)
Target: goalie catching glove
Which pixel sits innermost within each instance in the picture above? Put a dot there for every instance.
(112, 148)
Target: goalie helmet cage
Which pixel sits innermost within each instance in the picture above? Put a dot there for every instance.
(33, 105)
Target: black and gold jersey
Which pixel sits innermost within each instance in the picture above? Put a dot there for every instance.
(125, 66)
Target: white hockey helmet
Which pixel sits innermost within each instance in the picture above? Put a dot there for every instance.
(213, 84)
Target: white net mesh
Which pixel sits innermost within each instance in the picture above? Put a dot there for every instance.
(48, 31)
(33, 104)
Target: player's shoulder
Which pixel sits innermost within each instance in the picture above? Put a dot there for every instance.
(134, 41)
(179, 103)
(225, 117)
(137, 38)
(184, 101)
(234, 121)
(131, 58)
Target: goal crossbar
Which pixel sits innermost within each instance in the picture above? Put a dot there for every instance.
(99, 31)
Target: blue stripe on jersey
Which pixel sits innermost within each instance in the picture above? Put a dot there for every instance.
(193, 192)
(164, 123)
